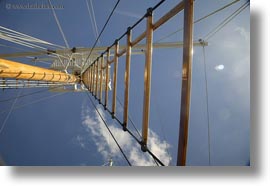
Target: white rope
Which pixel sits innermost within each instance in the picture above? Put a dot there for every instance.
(28, 39)
(200, 19)
(34, 40)
(226, 21)
(92, 19)
(58, 24)
(207, 106)
(36, 101)
(14, 33)
(90, 16)
(22, 43)
(11, 108)
(7, 46)
(17, 33)
(38, 60)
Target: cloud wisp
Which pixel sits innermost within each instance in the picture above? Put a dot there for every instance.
(243, 32)
(108, 149)
(129, 14)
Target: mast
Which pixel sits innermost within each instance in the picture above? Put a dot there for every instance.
(15, 70)
(186, 82)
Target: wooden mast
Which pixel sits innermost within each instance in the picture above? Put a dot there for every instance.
(11, 69)
(186, 82)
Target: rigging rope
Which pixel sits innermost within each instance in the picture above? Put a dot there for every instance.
(25, 36)
(20, 40)
(156, 159)
(207, 37)
(207, 107)
(131, 121)
(32, 93)
(17, 41)
(33, 102)
(199, 20)
(11, 108)
(4, 33)
(105, 123)
(153, 155)
(58, 24)
(134, 25)
(14, 34)
(7, 46)
(129, 118)
(134, 137)
(94, 19)
(101, 32)
(226, 21)
(161, 122)
(156, 6)
(91, 19)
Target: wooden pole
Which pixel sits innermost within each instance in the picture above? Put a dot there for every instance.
(101, 79)
(93, 78)
(107, 78)
(11, 69)
(186, 82)
(127, 79)
(96, 79)
(115, 77)
(147, 79)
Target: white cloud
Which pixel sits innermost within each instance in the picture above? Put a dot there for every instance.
(80, 141)
(243, 32)
(107, 147)
(129, 14)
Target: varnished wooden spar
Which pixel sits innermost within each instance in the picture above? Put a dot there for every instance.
(186, 82)
(11, 69)
(147, 79)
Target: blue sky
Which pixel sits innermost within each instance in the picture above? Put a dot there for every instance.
(65, 130)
